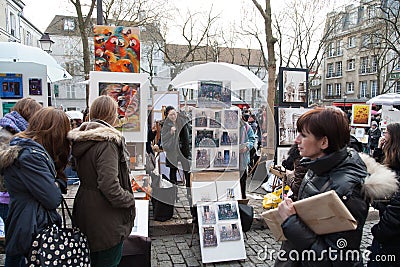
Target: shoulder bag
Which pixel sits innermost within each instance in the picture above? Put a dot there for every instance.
(60, 246)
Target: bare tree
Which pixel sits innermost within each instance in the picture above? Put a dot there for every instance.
(196, 31)
(84, 23)
(270, 41)
(390, 18)
(389, 36)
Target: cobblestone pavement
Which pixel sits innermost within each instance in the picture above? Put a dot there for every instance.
(175, 250)
(171, 239)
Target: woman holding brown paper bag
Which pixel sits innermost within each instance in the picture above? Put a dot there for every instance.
(322, 141)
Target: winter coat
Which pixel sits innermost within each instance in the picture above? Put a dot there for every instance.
(343, 171)
(177, 146)
(29, 175)
(386, 232)
(104, 206)
(373, 137)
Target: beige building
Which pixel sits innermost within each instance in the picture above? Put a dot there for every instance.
(356, 65)
(14, 27)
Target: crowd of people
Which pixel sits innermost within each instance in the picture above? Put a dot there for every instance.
(38, 143)
(33, 157)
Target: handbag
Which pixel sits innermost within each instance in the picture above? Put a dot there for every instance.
(60, 246)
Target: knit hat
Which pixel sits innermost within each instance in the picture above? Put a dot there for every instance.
(374, 123)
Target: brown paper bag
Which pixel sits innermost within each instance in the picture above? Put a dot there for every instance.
(324, 213)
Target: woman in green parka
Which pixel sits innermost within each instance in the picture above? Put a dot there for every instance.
(104, 206)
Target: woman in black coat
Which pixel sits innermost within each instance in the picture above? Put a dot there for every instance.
(386, 233)
(176, 143)
(33, 166)
(322, 142)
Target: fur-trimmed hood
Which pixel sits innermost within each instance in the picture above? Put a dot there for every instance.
(381, 182)
(90, 133)
(95, 131)
(8, 154)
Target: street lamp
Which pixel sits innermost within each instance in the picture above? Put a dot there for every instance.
(46, 42)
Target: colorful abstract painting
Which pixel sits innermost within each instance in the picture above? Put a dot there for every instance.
(117, 48)
(127, 96)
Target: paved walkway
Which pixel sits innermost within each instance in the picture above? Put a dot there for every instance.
(171, 239)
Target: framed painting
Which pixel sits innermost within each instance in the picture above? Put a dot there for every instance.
(293, 87)
(287, 128)
(281, 154)
(11, 85)
(128, 90)
(361, 115)
(214, 94)
(35, 86)
(117, 48)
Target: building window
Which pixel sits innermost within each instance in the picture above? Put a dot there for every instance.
(363, 89)
(366, 40)
(70, 91)
(331, 50)
(351, 64)
(242, 94)
(396, 64)
(397, 87)
(56, 91)
(13, 25)
(315, 82)
(353, 18)
(329, 89)
(350, 87)
(374, 64)
(69, 24)
(330, 70)
(338, 89)
(339, 68)
(351, 42)
(374, 88)
(339, 48)
(28, 39)
(364, 65)
(371, 12)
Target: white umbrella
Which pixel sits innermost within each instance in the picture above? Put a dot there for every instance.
(74, 115)
(16, 52)
(388, 99)
(240, 77)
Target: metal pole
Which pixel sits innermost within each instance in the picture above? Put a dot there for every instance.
(99, 12)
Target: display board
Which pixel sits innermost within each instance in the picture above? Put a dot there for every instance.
(128, 89)
(215, 142)
(220, 231)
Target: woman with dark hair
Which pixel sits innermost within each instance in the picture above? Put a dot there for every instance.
(104, 206)
(322, 142)
(176, 143)
(32, 165)
(386, 232)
